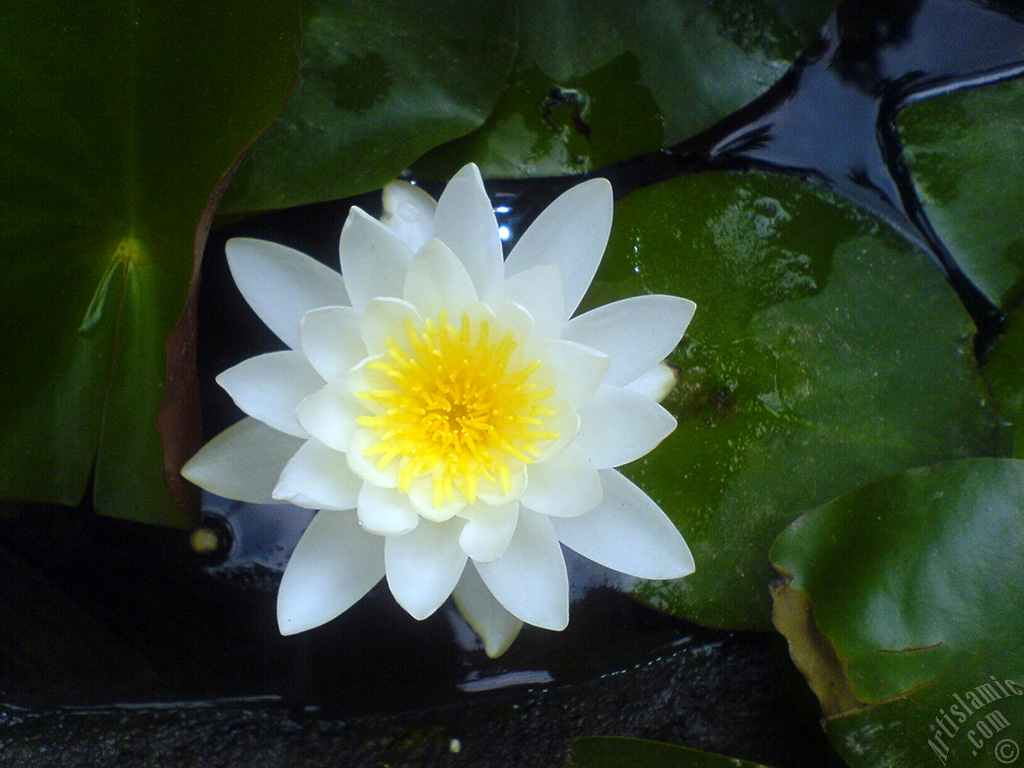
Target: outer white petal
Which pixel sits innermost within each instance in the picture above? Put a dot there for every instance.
(366, 466)
(332, 341)
(330, 414)
(464, 221)
(488, 530)
(335, 563)
(409, 213)
(566, 485)
(386, 317)
(497, 627)
(373, 259)
(539, 291)
(318, 477)
(571, 233)
(578, 369)
(270, 387)
(657, 383)
(618, 426)
(385, 511)
(282, 284)
(530, 578)
(437, 280)
(243, 462)
(424, 565)
(637, 333)
(627, 532)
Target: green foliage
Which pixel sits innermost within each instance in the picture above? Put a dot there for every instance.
(596, 83)
(825, 353)
(119, 121)
(381, 83)
(965, 151)
(913, 583)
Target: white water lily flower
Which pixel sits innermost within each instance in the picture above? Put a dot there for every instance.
(449, 420)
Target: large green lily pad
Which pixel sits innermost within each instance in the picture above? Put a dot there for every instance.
(903, 607)
(119, 119)
(381, 83)
(825, 352)
(595, 83)
(618, 752)
(965, 152)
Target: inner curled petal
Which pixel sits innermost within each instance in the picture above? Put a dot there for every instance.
(459, 405)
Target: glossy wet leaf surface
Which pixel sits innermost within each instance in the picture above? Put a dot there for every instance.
(965, 152)
(381, 83)
(825, 352)
(119, 120)
(614, 752)
(602, 82)
(914, 582)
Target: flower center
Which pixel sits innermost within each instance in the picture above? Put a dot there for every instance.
(461, 408)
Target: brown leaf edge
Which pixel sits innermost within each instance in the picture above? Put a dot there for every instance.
(179, 420)
(812, 652)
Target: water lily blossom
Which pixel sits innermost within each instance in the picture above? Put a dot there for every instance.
(452, 421)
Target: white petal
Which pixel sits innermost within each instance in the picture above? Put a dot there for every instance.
(627, 532)
(488, 530)
(530, 578)
(409, 213)
(657, 383)
(637, 333)
(330, 414)
(335, 563)
(424, 565)
(571, 233)
(618, 426)
(243, 462)
(366, 466)
(281, 284)
(464, 221)
(566, 485)
(539, 291)
(332, 341)
(437, 280)
(270, 387)
(421, 496)
(578, 369)
(497, 627)
(373, 259)
(318, 477)
(383, 318)
(386, 511)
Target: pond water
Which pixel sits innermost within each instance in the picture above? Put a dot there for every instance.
(168, 625)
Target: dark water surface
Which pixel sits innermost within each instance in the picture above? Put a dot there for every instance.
(103, 618)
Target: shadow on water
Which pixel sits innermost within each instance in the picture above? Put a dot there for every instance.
(130, 614)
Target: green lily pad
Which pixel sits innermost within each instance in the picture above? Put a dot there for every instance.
(119, 121)
(965, 152)
(619, 752)
(825, 352)
(903, 608)
(381, 83)
(601, 82)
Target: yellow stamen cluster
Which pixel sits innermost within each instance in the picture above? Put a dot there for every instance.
(458, 408)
